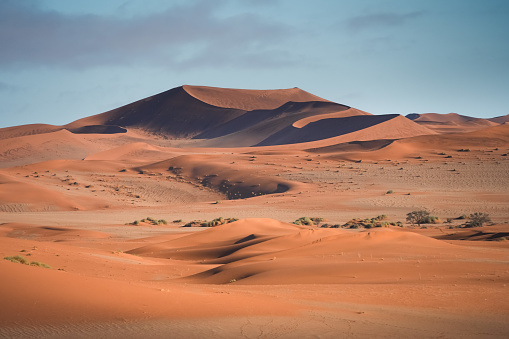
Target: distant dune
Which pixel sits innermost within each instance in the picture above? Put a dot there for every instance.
(451, 122)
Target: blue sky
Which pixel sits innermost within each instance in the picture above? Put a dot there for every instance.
(61, 60)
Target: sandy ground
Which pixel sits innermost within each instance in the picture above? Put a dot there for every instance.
(109, 279)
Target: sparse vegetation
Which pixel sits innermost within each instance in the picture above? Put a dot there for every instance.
(149, 220)
(478, 219)
(22, 260)
(308, 221)
(211, 223)
(379, 221)
(421, 217)
(389, 192)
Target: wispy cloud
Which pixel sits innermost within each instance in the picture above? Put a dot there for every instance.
(31, 35)
(381, 20)
(5, 87)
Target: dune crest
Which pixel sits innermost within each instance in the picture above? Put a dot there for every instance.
(249, 99)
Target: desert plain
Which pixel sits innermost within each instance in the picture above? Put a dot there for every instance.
(173, 217)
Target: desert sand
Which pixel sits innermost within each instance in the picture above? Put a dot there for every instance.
(85, 199)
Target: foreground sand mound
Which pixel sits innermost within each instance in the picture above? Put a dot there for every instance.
(264, 251)
(233, 180)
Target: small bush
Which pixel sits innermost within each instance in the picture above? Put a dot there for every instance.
(421, 217)
(389, 192)
(478, 219)
(177, 221)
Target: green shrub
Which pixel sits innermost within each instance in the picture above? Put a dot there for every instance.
(421, 217)
(478, 219)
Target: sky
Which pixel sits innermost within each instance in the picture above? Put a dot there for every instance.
(62, 60)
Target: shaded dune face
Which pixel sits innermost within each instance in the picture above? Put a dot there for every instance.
(324, 129)
(187, 111)
(286, 114)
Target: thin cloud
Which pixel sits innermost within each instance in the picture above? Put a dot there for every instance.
(30, 35)
(5, 87)
(381, 20)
